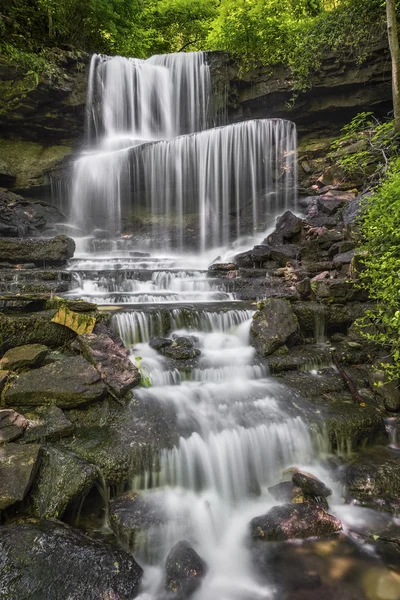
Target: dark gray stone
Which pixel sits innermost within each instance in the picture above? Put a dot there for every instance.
(273, 326)
(294, 521)
(185, 570)
(18, 466)
(67, 383)
(49, 560)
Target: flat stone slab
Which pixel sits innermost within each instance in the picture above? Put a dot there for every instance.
(12, 425)
(18, 465)
(54, 251)
(30, 355)
(67, 383)
(46, 423)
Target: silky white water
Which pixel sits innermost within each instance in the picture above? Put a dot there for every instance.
(238, 439)
(149, 154)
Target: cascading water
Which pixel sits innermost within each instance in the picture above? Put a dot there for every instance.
(149, 155)
(149, 152)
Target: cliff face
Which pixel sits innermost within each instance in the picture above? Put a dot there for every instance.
(339, 91)
(42, 120)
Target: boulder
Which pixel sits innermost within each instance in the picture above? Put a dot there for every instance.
(257, 258)
(287, 227)
(285, 491)
(132, 514)
(182, 348)
(12, 425)
(273, 326)
(111, 360)
(30, 355)
(49, 560)
(46, 423)
(160, 343)
(62, 478)
(373, 479)
(42, 252)
(18, 466)
(294, 521)
(67, 383)
(184, 570)
(311, 485)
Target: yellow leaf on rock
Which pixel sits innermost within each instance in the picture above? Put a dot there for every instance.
(79, 322)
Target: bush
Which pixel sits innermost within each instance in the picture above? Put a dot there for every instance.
(380, 228)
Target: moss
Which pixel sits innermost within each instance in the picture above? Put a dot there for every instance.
(29, 160)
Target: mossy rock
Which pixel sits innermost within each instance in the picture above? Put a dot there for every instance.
(62, 479)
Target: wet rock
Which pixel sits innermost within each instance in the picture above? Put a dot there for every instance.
(122, 440)
(132, 514)
(46, 423)
(288, 226)
(12, 425)
(185, 570)
(42, 252)
(181, 352)
(18, 466)
(19, 217)
(182, 348)
(310, 485)
(273, 326)
(30, 355)
(373, 480)
(67, 383)
(160, 343)
(36, 328)
(62, 478)
(257, 258)
(111, 360)
(294, 521)
(285, 491)
(101, 234)
(49, 560)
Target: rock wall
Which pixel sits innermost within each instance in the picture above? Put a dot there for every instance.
(41, 119)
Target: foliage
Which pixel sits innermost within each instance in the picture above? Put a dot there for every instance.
(366, 147)
(380, 275)
(145, 378)
(297, 32)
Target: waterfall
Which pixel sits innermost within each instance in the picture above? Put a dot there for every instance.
(149, 153)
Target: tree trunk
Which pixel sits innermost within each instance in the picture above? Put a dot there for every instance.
(395, 54)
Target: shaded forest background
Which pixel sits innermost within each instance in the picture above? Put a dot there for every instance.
(292, 32)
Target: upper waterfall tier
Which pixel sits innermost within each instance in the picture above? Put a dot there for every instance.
(158, 98)
(151, 159)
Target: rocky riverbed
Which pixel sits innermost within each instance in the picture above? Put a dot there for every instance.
(76, 432)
